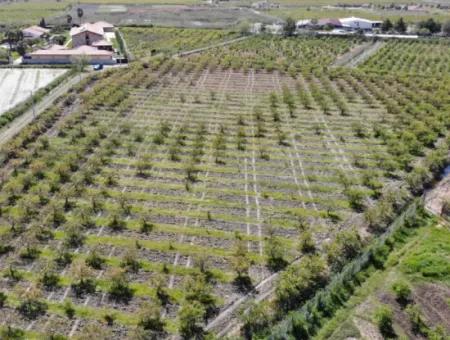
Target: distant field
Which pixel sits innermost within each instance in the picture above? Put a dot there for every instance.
(16, 84)
(151, 2)
(21, 13)
(317, 13)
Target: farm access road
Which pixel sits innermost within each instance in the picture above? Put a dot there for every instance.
(28, 116)
(358, 54)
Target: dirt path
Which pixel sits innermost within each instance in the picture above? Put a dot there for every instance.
(358, 55)
(20, 122)
(435, 198)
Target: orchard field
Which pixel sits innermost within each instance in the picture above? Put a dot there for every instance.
(150, 199)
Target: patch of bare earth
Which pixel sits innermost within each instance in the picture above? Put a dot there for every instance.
(433, 300)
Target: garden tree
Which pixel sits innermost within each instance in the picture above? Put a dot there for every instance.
(31, 305)
(400, 26)
(241, 264)
(431, 25)
(383, 317)
(275, 251)
(387, 25)
(13, 37)
(119, 289)
(130, 261)
(446, 28)
(21, 48)
(256, 320)
(289, 27)
(151, 324)
(197, 289)
(84, 281)
(345, 247)
(300, 281)
(191, 320)
(80, 13)
(244, 27)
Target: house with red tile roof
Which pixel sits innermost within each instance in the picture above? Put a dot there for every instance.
(90, 33)
(35, 32)
(60, 55)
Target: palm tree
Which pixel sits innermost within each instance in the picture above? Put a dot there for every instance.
(80, 13)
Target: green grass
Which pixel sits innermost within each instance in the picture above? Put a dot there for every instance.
(24, 13)
(431, 257)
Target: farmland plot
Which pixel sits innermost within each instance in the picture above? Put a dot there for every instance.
(148, 41)
(421, 58)
(16, 85)
(174, 187)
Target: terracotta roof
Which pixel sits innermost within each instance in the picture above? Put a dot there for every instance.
(331, 22)
(82, 50)
(36, 30)
(93, 28)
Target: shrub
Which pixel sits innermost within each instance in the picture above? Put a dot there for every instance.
(256, 320)
(31, 308)
(95, 261)
(3, 299)
(383, 317)
(191, 320)
(402, 292)
(299, 281)
(69, 309)
(120, 289)
(50, 280)
(150, 318)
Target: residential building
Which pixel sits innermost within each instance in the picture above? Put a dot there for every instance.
(360, 24)
(90, 33)
(35, 32)
(60, 55)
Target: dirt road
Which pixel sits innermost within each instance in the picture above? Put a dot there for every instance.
(358, 55)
